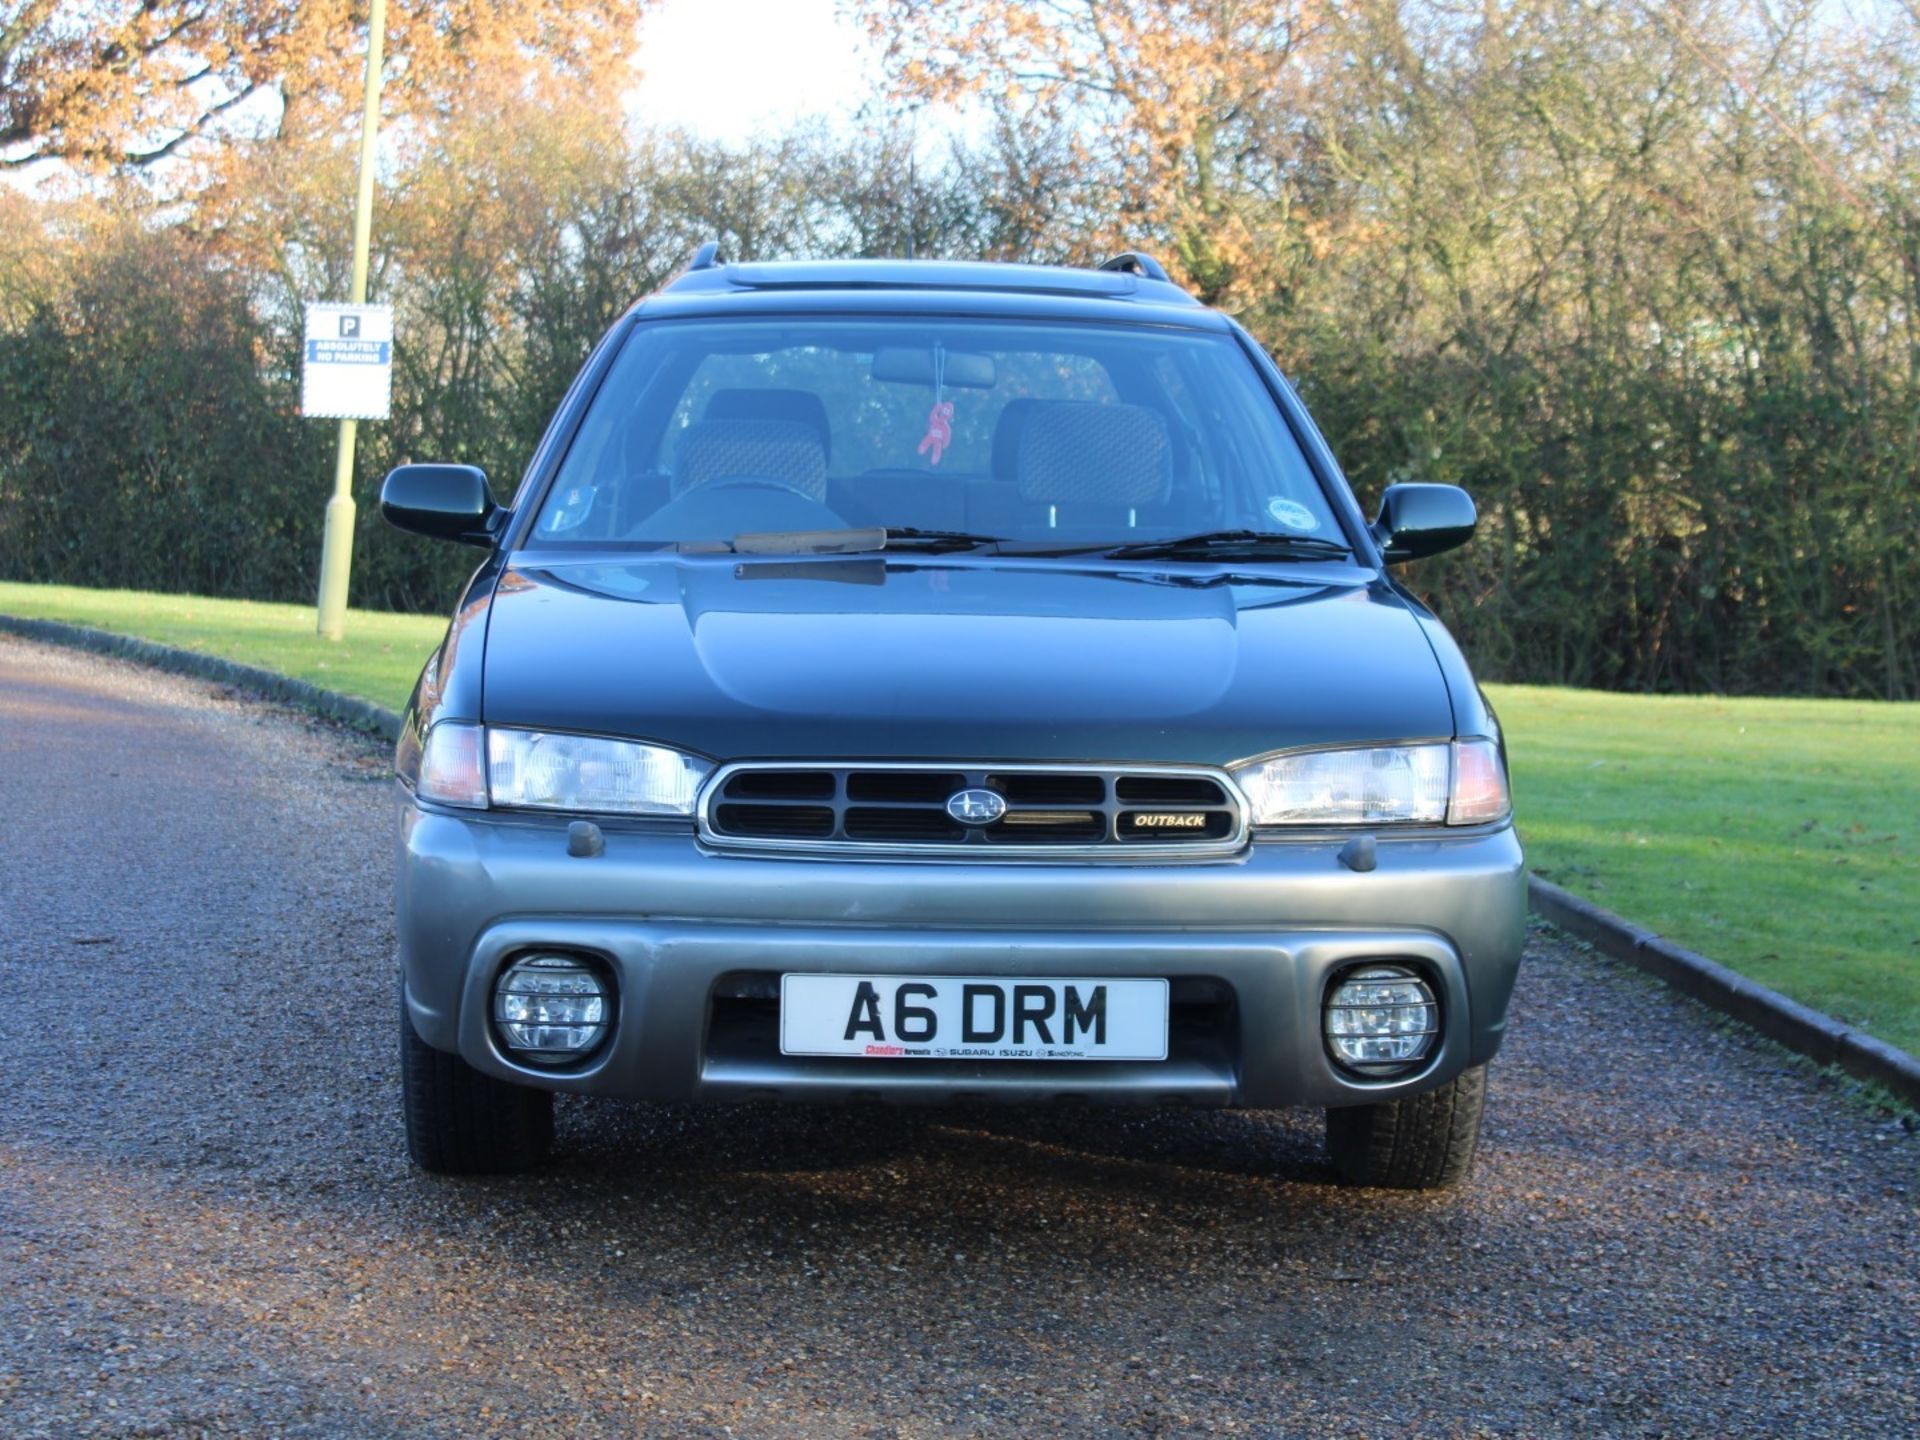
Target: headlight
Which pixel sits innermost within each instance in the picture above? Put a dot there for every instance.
(580, 772)
(1455, 784)
(475, 766)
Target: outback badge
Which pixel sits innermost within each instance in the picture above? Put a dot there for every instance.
(1168, 820)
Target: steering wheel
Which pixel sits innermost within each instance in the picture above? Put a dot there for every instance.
(719, 508)
(753, 482)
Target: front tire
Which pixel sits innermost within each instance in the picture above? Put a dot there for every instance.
(1416, 1142)
(461, 1122)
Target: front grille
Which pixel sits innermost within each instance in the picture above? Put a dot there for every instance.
(775, 820)
(1049, 808)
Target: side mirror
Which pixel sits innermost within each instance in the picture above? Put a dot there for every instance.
(1421, 520)
(445, 502)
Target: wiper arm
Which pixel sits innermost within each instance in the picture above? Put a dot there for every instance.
(1232, 542)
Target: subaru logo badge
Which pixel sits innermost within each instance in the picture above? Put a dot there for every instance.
(976, 807)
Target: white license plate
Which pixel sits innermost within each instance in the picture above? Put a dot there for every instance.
(972, 1017)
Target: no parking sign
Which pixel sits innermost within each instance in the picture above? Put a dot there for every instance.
(347, 370)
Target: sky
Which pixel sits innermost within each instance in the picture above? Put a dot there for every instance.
(726, 68)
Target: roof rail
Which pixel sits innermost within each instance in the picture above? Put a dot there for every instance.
(1136, 263)
(706, 257)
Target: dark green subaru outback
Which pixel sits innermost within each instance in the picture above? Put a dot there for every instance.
(947, 682)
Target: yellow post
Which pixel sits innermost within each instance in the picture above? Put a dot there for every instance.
(336, 551)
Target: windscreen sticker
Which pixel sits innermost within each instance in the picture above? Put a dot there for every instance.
(572, 510)
(1292, 514)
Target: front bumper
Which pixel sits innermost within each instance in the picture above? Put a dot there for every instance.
(696, 940)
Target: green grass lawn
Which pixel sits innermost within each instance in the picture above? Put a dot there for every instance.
(1777, 836)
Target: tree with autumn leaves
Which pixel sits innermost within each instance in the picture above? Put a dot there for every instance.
(1181, 120)
(110, 84)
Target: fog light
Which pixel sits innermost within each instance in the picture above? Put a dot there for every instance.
(550, 1009)
(1381, 1018)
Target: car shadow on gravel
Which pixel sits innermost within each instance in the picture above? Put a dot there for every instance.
(781, 1194)
(660, 1141)
(957, 1172)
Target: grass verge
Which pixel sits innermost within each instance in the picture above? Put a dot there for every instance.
(1776, 836)
(378, 661)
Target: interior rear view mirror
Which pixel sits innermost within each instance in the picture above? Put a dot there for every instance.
(909, 365)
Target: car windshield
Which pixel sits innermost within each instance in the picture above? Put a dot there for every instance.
(1005, 431)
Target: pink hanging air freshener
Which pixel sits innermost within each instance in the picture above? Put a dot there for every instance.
(939, 431)
(940, 418)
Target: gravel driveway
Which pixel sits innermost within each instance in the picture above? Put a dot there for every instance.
(207, 1222)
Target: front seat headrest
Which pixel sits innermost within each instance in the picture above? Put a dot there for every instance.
(801, 407)
(1006, 437)
(778, 450)
(1079, 452)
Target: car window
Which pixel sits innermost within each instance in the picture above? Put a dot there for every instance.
(706, 429)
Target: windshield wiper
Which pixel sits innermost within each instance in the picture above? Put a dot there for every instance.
(805, 542)
(837, 542)
(1223, 543)
(1230, 542)
(903, 537)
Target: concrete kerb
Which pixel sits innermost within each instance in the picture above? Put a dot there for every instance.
(1798, 1027)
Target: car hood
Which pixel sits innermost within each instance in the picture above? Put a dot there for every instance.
(921, 658)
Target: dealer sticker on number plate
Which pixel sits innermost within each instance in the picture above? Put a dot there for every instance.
(966, 1017)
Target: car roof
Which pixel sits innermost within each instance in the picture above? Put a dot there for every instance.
(929, 287)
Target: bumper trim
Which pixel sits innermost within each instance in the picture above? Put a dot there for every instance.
(1171, 1082)
(661, 1047)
